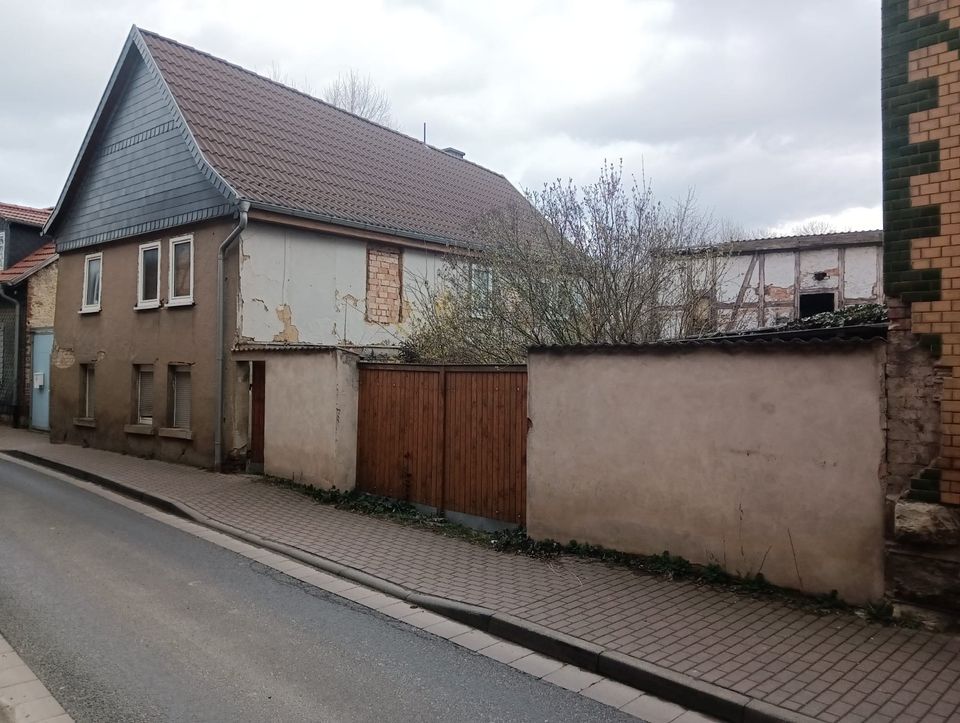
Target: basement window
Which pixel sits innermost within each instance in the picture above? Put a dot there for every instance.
(145, 394)
(811, 304)
(148, 276)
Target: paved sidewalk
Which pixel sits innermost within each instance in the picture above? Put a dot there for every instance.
(834, 668)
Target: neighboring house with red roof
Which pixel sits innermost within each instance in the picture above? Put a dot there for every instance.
(211, 210)
(27, 303)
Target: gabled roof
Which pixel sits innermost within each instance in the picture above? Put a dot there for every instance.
(26, 215)
(29, 264)
(284, 151)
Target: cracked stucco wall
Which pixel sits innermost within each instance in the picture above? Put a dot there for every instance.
(307, 287)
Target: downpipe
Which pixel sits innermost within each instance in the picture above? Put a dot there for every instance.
(16, 351)
(221, 282)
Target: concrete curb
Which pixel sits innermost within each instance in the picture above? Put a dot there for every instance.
(675, 687)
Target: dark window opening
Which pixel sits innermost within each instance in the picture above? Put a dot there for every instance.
(811, 304)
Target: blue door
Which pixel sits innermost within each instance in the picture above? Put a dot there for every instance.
(40, 383)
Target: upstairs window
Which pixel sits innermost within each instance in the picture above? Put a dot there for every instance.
(3, 249)
(145, 394)
(92, 271)
(148, 276)
(811, 304)
(481, 291)
(181, 270)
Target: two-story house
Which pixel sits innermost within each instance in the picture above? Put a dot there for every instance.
(213, 214)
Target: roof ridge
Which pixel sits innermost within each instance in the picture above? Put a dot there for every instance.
(313, 98)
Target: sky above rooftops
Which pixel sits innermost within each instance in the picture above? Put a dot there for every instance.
(770, 111)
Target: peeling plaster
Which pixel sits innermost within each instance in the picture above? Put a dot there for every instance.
(778, 293)
(290, 333)
(63, 357)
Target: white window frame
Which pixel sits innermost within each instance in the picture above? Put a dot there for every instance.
(86, 308)
(180, 300)
(141, 302)
(3, 249)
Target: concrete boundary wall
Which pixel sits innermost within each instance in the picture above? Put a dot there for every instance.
(310, 415)
(760, 458)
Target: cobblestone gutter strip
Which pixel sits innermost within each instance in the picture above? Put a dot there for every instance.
(669, 685)
(22, 696)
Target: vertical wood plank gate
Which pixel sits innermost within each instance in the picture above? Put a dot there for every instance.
(451, 437)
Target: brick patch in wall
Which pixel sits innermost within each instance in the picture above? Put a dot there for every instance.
(384, 284)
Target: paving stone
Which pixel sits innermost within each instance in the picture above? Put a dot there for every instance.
(400, 610)
(475, 640)
(536, 665)
(505, 652)
(572, 678)
(423, 619)
(691, 716)
(611, 693)
(17, 674)
(22, 692)
(653, 710)
(448, 629)
(378, 601)
(40, 709)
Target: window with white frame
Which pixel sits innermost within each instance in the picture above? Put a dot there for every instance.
(145, 394)
(87, 390)
(92, 273)
(148, 276)
(3, 249)
(181, 396)
(181, 270)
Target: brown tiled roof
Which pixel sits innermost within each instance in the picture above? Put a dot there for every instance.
(29, 264)
(24, 214)
(278, 147)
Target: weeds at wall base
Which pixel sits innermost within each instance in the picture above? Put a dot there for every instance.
(664, 565)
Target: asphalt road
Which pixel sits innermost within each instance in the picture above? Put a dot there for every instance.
(126, 619)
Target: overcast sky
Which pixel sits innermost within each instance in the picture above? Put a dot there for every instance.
(769, 109)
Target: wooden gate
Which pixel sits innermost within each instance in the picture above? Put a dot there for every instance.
(451, 437)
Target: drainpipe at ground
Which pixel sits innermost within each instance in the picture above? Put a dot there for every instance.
(221, 254)
(16, 351)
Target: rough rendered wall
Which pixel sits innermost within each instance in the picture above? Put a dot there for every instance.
(921, 199)
(758, 460)
(310, 419)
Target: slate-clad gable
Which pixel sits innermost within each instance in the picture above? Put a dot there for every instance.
(139, 175)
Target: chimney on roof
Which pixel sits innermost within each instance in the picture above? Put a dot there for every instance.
(455, 152)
